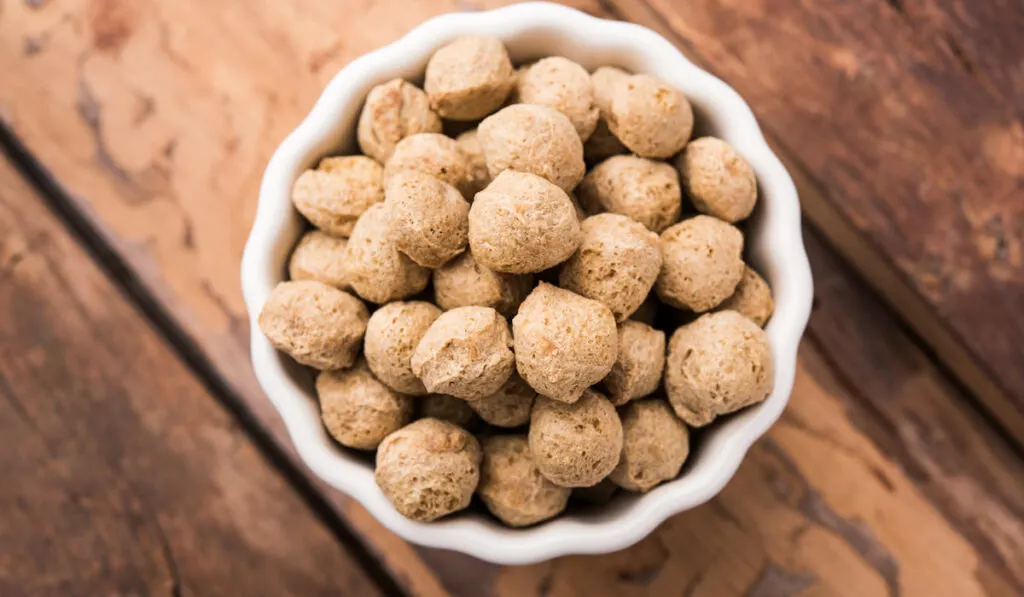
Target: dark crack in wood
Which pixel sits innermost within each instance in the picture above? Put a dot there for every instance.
(897, 5)
(186, 347)
(176, 588)
(545, 584)
(691, 587)
(719, 508)
(91, 112)
(645, 574)
(777, 582)
(854, 533)
(33, 44)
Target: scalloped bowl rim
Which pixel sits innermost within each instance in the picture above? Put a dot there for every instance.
(777, 250)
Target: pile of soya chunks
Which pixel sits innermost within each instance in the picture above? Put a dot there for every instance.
(532, 366)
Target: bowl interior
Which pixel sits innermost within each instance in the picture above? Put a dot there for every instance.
(774, 247)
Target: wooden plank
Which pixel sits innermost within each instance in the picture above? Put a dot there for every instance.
(159, 106)
(122, 475)
(833, 502)
(921, 163)
(984, 37)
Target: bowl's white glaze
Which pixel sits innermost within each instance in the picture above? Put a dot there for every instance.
(530, 31)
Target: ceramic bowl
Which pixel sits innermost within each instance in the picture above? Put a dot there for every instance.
(774, 247)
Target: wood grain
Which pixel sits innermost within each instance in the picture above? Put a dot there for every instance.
(918, 150)
(122, 475)
(159, 120)
(159, 107)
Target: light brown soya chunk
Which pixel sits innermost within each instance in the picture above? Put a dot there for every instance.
(428, 469)
(315, 324)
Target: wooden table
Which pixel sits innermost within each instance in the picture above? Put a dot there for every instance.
(141, 457)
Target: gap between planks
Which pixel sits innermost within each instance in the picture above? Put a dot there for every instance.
(186, 348)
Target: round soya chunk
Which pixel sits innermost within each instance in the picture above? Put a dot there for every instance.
(650, 117)
(333, 196)
(641, 361)
(655, 445)
(753, 298)
(511, 486)
(718, 180)
(429, 218)
(392, 335)
(357, 409)
(378, 271)
(703, 263)
(465, 353)
(432, 154)
(644, 190)
(521, 224)
(617, 263)
(469, 144)
(717, 364)
(428, 469)
(535, 139)
(603, 144)
(563, 85)
(448, 408)
(393, 111)
(321, 257)
(316, 324)
(462, 282)
(508, 407)
(564, 343)
(469, 78)
(575, 445)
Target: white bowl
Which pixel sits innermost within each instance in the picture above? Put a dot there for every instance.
(531, 31)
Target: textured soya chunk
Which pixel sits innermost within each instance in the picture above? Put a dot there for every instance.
(429, 219)
(392, 334)
(357, 409)
(434, 155)
(655, 445)
(469, 78)
(703, 263)
(753, 298)
(644, 190)
(393, 111)
(564, 343)
(617, 263)
(465, 353)
(508, 407)
(378, 271)
(578, 444)
(512, 487)
(316, 324)
(716, 365)
(428, 469)
(650, 117)
(563, 85)
(522, 224)
(335, 194)
(637, 371)
(717, 180)
(535, 139)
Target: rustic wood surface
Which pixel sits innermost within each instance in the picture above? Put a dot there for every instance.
(153, 121)
(907, 114)
(122, 475)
